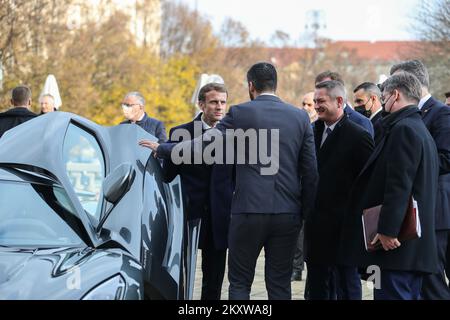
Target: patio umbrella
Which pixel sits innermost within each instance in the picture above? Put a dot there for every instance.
(204, 80)
(51, 87)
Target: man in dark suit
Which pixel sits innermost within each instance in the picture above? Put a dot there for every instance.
(436, 117)
(447, 99)
(351, 114)
(207, 191)
(404, 164)
(367, 102)
(272, 192)
(20, 113)
(343, 148)
(133, 107)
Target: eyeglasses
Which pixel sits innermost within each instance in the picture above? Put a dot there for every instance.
(126, 105)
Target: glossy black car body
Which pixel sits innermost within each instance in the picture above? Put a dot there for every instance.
(84, 214)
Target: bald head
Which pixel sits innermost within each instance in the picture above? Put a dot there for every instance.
(308, 106)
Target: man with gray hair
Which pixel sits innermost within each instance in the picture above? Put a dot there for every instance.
(436, 117)
(343, 148)
(47, 103)
(20, 113)
(403, 169)
(133, 107)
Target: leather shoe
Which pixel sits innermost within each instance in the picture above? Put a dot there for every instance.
(297, 276)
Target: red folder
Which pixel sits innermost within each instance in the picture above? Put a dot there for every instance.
(409, 230)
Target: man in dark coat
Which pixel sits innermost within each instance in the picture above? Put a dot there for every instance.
(343, 148)
(20, 113)
(133, 107)
(367, 102)
(436, 117)
(404, 164)
(207, 191)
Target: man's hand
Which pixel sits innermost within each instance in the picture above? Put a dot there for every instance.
(149, 144)
(388, 243)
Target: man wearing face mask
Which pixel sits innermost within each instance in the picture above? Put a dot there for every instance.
(133, 107)
(367, 102)
(405, 164)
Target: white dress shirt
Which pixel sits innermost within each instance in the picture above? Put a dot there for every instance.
(325, 134)
(423, 101)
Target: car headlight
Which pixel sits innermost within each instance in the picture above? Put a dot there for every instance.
(112, 289)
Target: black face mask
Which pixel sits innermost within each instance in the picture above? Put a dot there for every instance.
(363, 111)
(383, 107)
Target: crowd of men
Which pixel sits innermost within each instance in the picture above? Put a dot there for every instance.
(335, 161)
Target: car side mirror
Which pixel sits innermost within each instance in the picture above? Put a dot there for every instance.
(115, 186)
(118, 183)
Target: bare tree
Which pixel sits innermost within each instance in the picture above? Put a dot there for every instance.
(432, 26)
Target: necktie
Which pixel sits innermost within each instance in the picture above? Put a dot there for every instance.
(328, 132)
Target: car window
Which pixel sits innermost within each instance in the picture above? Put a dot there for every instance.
(31, 215)
(85, 166)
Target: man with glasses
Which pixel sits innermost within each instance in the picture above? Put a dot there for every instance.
(436, 117)
(404, 164)
(133, 107)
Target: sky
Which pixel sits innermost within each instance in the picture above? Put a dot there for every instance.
(369, 20)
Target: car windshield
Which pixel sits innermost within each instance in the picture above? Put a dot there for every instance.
(31, 215)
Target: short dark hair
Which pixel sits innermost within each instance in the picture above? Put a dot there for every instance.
(211, 87)
(415, 67)
(329, 74)
(405, 82)
(369, 87)
(264, 77)
(447, 94)
(20, 96)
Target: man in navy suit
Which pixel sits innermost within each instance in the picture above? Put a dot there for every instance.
(436, 117)
(207, 191)
(351, 114)
(367, 102)
(276, 178)
(133, 107)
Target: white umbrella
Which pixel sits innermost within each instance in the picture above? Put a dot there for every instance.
(51, 87)
(204, 80)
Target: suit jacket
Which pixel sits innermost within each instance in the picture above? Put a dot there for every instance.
(436, 117)
(377, 126)
(291, 189)
(152, 126)
(207, 191)
(405, 163)
(14, 117)
(340, 159)
(359, 119)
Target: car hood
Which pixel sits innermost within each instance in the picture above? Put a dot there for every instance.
(54, 273)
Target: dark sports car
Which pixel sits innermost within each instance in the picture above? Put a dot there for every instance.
(84, 214)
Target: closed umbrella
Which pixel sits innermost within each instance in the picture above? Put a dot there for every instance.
(51, 87)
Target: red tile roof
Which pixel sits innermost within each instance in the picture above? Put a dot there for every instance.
(380, 51)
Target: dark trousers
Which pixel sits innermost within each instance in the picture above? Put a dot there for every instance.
(249, 233)
(213, 269)
(299, 259)
(434, 286)
(333, 283)
(447, 259)
(399, 285)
